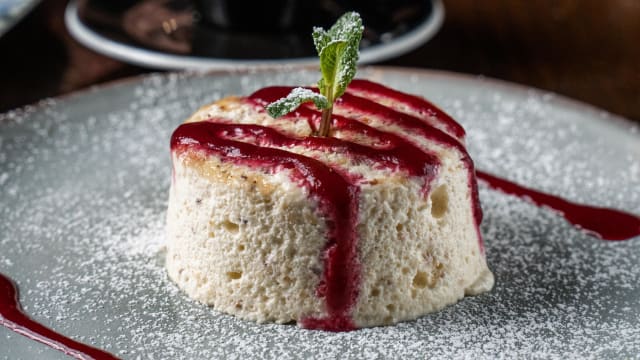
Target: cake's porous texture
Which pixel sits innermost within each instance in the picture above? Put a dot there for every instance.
(376, 224)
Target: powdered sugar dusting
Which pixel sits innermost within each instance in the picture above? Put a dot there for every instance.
(84, 188)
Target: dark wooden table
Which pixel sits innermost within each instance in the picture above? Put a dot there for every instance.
(585, 49)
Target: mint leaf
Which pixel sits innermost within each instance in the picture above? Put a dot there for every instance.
(348, 28)
(320, 38)
(295, 98)
(330, 67)
(338, 50)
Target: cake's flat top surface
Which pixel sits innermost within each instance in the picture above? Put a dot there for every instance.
(84, 189)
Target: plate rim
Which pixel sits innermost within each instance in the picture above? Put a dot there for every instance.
(602, 116)
(160, 60)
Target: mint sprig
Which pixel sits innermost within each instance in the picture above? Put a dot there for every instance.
(338, 51)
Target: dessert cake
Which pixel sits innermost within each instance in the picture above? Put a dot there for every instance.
(375, 224)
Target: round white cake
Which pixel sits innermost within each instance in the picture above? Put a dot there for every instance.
(375, 224)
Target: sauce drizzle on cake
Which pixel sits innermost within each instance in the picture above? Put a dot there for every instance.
(338, 200)
(415, 103)
(408, 123)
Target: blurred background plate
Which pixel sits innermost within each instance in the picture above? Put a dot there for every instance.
(11, 11)
(85, 183)
(178, 34)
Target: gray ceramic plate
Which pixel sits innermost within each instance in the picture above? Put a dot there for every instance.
(84, 184)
